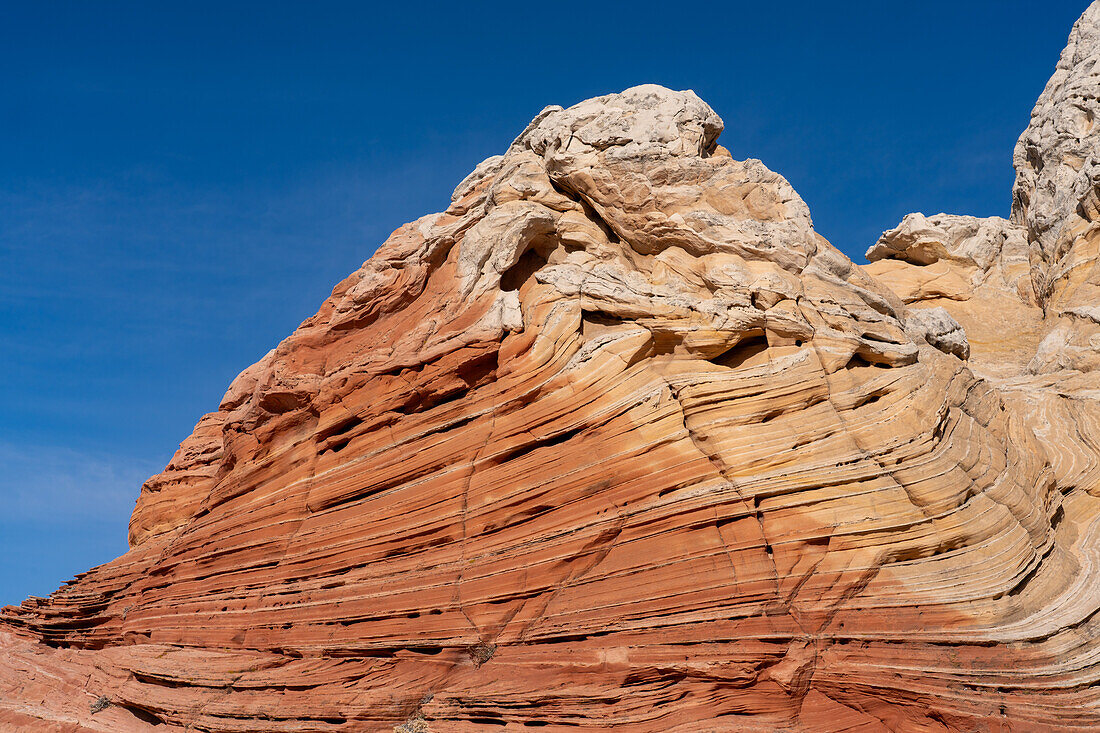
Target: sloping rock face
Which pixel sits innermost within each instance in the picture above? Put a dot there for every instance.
(1025, 290)
(618, 441)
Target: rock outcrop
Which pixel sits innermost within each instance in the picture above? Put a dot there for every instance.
(978, 270)
(1057, 200)
(619, 441)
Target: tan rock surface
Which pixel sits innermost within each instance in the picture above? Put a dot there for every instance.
(616, 441)
(978, 270)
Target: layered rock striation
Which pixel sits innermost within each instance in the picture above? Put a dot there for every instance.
(619, 441)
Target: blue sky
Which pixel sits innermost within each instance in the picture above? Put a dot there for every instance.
(180, 187)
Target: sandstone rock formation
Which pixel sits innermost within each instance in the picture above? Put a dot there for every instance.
(976, 269)
(617, 441)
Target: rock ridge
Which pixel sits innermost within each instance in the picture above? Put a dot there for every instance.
(618, 440)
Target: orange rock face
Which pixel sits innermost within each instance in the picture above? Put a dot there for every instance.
(615, 442)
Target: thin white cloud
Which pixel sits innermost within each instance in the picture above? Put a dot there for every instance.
(40, 482)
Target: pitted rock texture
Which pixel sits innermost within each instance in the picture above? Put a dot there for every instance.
(1056, 199)
(617, 441)
(1056, 160)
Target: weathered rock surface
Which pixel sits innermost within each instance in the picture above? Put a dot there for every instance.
(978, 269)
(618, 441)
(1057, 200)
(1056, 164)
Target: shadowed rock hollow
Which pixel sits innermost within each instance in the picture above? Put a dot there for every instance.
(618, 441)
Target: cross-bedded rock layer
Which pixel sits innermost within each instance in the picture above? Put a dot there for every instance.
(618, 441)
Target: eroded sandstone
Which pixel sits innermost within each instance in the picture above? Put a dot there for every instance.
(619, 441)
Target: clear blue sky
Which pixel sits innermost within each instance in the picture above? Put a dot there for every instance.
(180, 187)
